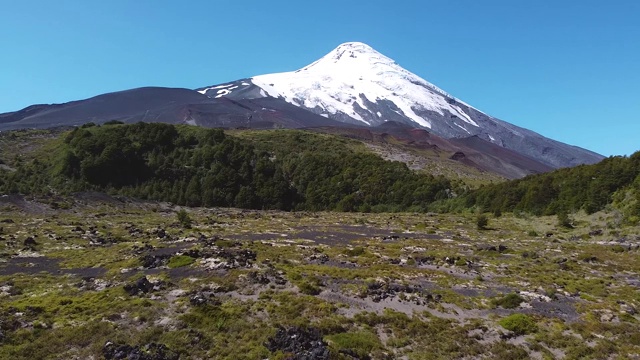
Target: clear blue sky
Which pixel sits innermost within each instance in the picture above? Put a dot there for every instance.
(569, 70)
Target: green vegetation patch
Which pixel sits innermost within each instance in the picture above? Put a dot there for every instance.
(520, 324)
(180, 261)
(361, 343)
(509, 301)
(291, 170)
(586, 187)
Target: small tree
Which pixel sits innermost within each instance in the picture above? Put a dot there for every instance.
(482, 221)
(184, 219)
(564, 220)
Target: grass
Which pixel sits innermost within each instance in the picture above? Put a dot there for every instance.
(585, 273)
(361, 343)
(180, 261)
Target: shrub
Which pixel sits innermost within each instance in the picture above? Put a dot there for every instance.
(113, 122)
(482, 221)
(520, 324)
(564, 220)
(184, 219)
(461, 262)
(356, 251)
(308, 288)
(618, 248)
(510, 301)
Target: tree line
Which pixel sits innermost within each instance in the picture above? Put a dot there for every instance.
(586, 187)
(205, 167)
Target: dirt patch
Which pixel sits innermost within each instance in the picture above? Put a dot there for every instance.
(35, 265)
(27, 206)
(334, 235)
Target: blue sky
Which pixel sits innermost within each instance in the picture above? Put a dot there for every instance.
(569, 70)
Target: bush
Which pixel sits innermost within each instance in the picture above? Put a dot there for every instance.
(510, 301)
(564, 220)
(308, 288)
(184, 219)
(482, 221)
(461, 262)
(356, 251)
(520, 324)
(113, 122)
(618, 249)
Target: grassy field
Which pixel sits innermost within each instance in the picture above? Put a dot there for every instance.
(110, 274)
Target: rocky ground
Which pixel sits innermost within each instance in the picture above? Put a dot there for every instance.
(107, 278)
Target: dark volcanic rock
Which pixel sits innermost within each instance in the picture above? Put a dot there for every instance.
(155, 261)
(204, 297)
(143, 285)
(597, 232)
(302, 344)
(256, 277)
(151, 351)
(379, 291)
(233, 258)
(30, 243)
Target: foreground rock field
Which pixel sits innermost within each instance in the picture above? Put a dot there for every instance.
(95, 277)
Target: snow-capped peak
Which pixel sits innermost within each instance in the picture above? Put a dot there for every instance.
(354, 81)
(352, 50)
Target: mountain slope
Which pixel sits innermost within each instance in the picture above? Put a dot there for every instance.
(150, 104)
(247, 108)
(356, 84)
(421, 150)
(167, 105)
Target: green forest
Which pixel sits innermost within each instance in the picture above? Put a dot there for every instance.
(295, 170)
(205, 167)
(615, 180)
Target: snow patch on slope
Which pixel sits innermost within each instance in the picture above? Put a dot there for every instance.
(462, 127)
(221, 90)
(204, 91)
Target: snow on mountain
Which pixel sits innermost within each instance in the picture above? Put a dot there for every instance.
(356, 84)
(351, 78)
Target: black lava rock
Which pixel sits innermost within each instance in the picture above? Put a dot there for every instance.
(303, 344)
(141, 286)
(151, 351)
